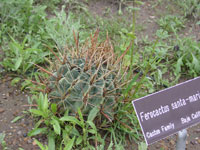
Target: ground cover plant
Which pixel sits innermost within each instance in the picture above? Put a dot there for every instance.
(83, 70)
(87, 83)
(191, 8)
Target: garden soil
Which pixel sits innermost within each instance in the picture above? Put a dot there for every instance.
(14, 103)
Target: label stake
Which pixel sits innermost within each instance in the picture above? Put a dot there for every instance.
(181, 143)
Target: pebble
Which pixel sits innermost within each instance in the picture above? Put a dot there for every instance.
(34, 143)
(19, 132)
(25, 134)
(198, 130)
(172, 142)
(2, 110)
(158, 146)
(152, 17)
(29, 141)
(193, 142)
(4, 96)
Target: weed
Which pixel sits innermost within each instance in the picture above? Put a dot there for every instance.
(142, 146)
(77, 120)
(190, 7)
(60, 29)
(187, 57)
(22, 35)
(19, 58)
(47, 117)
(162, 34)
(23, 19)
(2, 141)
(51, 5)
(63, 129)
(171, 24)
(128, 6)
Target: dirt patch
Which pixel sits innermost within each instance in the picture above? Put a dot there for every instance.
(12, 103)
(192, 29)
(102, 7)
(146, 21)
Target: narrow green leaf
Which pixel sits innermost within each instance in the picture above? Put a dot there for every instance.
(45, 103)
(139, 2)
(16, 119)
(110, 147)
(18, 63)
(54, 108)
(93, 114)
(39, 123)
(24, 41)
(179, 64)
(39, 101)
(195, 62)
(71, 119)
(81, 116)
(2, 136)
(198, 23)
(92, 125)
(15, 81)
(130, 85)
(37, 131)
(142, 146)
(92, 131)
(40, 145)
(38, 112)
(70, 144)
(56, 126)
(51, 141)
(79, 140)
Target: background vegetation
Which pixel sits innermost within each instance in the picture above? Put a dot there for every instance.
(32, 29)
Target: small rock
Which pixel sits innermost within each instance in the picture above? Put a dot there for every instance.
(27, 123)
(29, 141)
(152, 17)
(25, 134)
(14, 142)
(192, 142)
(172, 142)
(158, 146)
(4, 96)
(2, 110)
(19, 132)
(198, 130)
(34, 143)
(7, 94)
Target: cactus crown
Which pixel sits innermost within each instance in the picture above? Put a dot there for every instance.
(86, 78)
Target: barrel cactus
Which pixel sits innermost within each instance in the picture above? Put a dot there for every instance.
(86, 78)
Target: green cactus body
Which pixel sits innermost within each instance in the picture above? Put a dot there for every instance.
(74, 87)
(87, 77)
